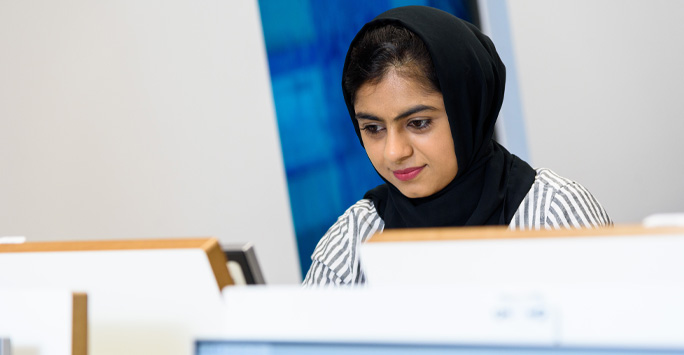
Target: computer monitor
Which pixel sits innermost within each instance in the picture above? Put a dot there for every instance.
(225, 347)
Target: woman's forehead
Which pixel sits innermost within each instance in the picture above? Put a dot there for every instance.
(405, 76)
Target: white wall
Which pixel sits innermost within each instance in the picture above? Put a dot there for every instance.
(602, 97)
(134, 119)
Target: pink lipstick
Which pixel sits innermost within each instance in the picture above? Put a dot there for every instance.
(407, 174)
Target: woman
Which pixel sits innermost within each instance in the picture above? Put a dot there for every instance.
(424, 89)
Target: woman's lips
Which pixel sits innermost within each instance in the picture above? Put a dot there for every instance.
(408, 174)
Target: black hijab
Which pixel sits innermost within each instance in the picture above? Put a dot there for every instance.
(491, 182)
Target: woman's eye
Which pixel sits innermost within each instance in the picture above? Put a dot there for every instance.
(372, 129)
(420, 124)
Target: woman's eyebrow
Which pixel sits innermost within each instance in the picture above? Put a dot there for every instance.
(414, 109)
(409, 112)
(366, 116)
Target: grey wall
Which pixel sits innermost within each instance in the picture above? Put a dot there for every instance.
(138, 119)
(600, 86)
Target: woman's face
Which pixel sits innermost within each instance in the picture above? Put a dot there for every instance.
(406, 133)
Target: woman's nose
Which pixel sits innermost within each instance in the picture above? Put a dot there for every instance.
(397, 146)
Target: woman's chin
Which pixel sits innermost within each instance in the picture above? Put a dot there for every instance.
(415, 193)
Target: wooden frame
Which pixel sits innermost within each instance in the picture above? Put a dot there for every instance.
(474, 233)
(79, 325)
(211, 247)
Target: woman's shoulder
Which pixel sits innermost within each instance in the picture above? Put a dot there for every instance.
(551, 179)
(561, 187)
(558, 202)
(363, 207)
(335, 259)
(358, 221)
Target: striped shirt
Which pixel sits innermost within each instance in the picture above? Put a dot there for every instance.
(553, 202)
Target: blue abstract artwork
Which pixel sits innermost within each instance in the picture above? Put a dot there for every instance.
(327, 169)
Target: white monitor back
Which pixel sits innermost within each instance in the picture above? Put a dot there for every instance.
(496, 256)
(144, 297)
(43, 322)
(482, 318)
